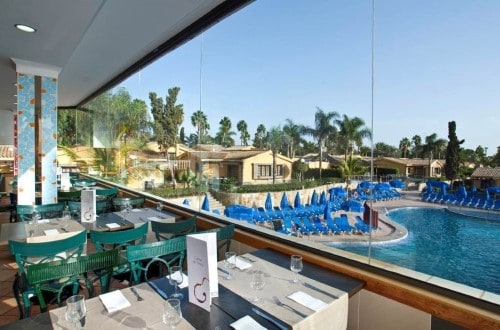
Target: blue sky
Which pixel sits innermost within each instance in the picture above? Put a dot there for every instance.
(435, 61)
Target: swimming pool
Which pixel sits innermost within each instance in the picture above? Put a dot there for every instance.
(444, 244)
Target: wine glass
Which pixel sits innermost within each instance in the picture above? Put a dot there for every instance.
(35, 216)
(172, 313)
(65, 217)
(159, 207)
(296, 266)
(175, 279)
(75, 310)
(229, 264)
(257, 283)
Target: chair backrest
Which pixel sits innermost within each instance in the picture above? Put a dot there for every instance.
(224, 237)
(164, 231)
(135, 202)
(110, 193)
(154, 253)
(101, 206)
(46, 211)
(107, 240)
(49, 271)
(64, 196)
(31, 253)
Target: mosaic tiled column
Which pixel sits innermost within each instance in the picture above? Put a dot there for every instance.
(37, 94)
(26, 139)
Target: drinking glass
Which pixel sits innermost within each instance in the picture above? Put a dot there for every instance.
(65, 217)
(159, 206)
(75, 310)
(172, 313)
(35, 216)
(257, 283)
(175, 279)
(296, 266)
(229, 264)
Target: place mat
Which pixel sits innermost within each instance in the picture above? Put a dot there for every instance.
(138, 216)
(278, 284)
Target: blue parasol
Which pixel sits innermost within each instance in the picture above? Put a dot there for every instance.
(473, 191)
(487, 195)
(322, 198)
(296, 202)
(314, 198)
(206, 204)
(185, 201)
(269, 202)
(284, 202)
(327, 213)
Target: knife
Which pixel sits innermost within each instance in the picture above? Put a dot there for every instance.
(155, 287)
(310, 286)
(269, 318)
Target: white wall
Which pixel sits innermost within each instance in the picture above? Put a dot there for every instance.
(6, 127)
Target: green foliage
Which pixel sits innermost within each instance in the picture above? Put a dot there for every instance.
(242, 127)
(167, 118)
(224, 136)
(328, 174)
(451, 168)
(188, 178)
(384, 150)
(259, 140)
(352, 132)
(351, 167)
(294, 185)
(387, 171)
(298, 168)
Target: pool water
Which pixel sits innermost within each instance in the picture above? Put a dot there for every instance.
(444, 244)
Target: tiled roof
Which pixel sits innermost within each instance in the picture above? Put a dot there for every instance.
(236, 155)
(487, 172)
(6, 152)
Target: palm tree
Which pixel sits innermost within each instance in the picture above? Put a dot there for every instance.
(434, 145)
(292, 130)
(275, 140)
(322, 130)
(404, 146)
(224, 135)
(417, 146)
(200, 121)
(352, 132)
(243, 129)
(259, 139)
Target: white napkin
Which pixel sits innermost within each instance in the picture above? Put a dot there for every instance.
(136, 210)
(308, 301)
(112, 225)
(114, 301)
(154, 219)
(51, 232)
(185, 280)
(247, 323)
(44, 221)
(240, 263)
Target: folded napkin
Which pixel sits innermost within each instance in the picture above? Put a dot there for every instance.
(308, 301)
(114, 301)
(112, 225)
(44, 221)
(185, 280)
(154, 219)
(51, 232)
(240, 263)
(247, 323)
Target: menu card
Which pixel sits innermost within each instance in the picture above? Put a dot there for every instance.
(65, 182)
(202, 269)
(88, 208)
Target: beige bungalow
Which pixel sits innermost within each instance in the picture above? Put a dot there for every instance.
(484, 177)
(245, 164)
(411, 167)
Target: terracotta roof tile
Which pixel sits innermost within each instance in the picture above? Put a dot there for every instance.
(487, 172)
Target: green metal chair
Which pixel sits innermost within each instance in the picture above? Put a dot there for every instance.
(64, 273)
(27, 254)
(142, 257)
(165, 231)
(66, 196)
(134, 202)
(108, 240)
(46, 211)
(109, 193)
(224, 236)
(75, 208)
(82, 182)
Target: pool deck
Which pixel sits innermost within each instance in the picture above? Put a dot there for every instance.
(387, 231)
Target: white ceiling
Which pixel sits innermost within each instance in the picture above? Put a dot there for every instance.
(92, 41)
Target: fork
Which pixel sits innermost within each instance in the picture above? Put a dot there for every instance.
(278, 302)
(137, 295)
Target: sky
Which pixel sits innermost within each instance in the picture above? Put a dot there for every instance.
(433, 62)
